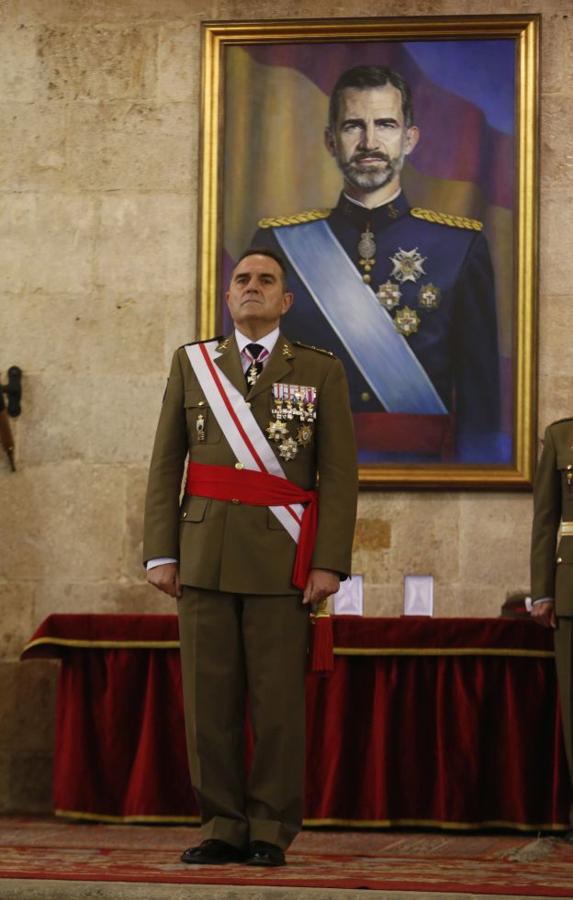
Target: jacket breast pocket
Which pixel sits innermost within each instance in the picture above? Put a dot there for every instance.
(202, 426)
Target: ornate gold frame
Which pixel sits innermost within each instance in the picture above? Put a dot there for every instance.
(525, 31)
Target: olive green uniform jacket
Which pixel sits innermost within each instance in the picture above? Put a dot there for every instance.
(552, 565)
(234, 547)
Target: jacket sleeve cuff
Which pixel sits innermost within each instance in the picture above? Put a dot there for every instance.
(159, 561)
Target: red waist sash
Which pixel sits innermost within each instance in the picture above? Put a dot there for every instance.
(261, 489)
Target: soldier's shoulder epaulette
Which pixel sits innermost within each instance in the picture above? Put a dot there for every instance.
(218, 337)
(430, 215)
(309, 215)
(312, 347)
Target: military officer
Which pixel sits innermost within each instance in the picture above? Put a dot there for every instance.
(260, 417)
(404, 296)
(552, 564)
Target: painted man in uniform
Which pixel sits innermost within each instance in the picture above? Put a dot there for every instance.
(423, 275)
(552, 565)
(243, 624)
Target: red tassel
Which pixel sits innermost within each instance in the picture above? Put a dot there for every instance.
(321, 652)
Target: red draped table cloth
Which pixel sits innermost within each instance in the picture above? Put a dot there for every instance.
(450, 723)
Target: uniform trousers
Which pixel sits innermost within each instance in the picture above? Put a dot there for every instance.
(563, 640)
(234, 645)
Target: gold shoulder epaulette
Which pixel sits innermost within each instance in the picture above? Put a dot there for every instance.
(429, 215)
(309, 215)
(311, 347)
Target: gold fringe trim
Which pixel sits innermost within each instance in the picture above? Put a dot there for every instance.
(338, 651)
(309, 215)
(103, 645)
(134, 820)
(429, 215)
(318, 823)
(440, 651)
(433, 823)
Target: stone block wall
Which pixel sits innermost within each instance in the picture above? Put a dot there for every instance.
(99, 126)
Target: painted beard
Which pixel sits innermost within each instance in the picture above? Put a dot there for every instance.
(373, 178)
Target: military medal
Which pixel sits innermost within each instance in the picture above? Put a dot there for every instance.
(292, 403)
(200, 427)
(407, 321)
(277, 431)
(408, 265)
(310, 412)
(288, 449)
(429, 296)
(367, 253)
(304, 435)
(389, 295)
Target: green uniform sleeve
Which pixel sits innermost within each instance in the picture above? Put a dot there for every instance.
(546, 518)
(337, 475)
(161, 526)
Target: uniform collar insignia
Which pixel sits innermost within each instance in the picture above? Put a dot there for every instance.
(224, 344)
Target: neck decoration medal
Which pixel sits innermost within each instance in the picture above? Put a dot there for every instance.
(367, 253)
(253, 373)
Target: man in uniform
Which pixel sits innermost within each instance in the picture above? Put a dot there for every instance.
(552, 564)
(260, 417)
(404, 297)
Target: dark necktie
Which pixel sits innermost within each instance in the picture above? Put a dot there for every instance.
(253, 351)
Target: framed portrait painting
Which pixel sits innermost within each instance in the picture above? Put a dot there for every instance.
(392, 165)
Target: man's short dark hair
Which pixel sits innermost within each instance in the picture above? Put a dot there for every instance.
(371, 77)
(272, 254)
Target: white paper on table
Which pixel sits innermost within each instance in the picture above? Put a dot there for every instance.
(349, 599)
(418, 595)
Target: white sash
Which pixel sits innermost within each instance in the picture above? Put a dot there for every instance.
(239, 426)
(368, 333)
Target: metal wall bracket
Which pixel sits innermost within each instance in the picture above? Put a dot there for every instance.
(10, 407)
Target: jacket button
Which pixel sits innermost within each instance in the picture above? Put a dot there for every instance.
(234, 500)
(365, 396)
(201, 403)
(558, 560)
(184, 515)
(239, 465)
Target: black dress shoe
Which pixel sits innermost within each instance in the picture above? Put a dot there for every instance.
(212, 853)
(263, 854)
